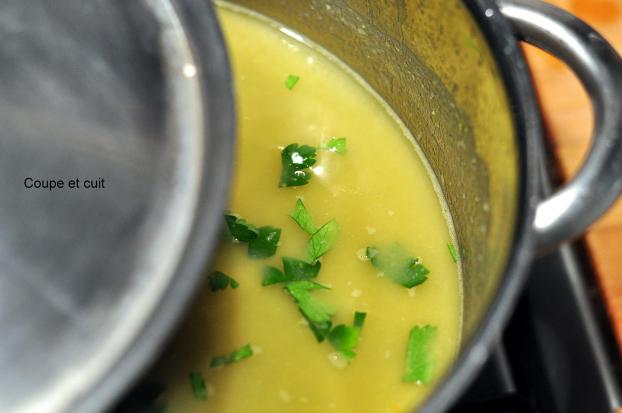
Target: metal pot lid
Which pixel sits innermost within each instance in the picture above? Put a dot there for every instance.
(115, 147)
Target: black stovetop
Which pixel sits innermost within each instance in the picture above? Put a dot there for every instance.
(558, 353)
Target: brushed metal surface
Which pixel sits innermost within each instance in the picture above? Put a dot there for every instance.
(114, 92)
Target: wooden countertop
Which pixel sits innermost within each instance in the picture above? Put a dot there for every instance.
(568, 117)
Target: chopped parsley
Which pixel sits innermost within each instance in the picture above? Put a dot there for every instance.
(311, 307)
(345, 338)
(293, 270)
(322, 240)
(198, 386)
(218, 281)
(262, 242)
(299, 269)
(239, 229)
(336, 144)
(320, 330)
(372, 253)
(359, 319)
(418, 359)
(398, 265)
(302, 217)
(266, 242)
(272, 275)
(235, 356)
(291, 81)
(296, 161)
(297, 274)
(455, 255)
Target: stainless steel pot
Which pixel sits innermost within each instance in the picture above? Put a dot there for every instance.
(137, 93)
(453, 71)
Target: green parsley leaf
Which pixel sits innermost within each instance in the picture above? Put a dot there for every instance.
(293, 270)
(300, 270)
(371, 253)
(265, 244)
(198, 386)
(320, 330)
(240, 354)
(262, 242)
(313, 308)
(291, 81)
(322, 240)
(239, 229)
(418, 359)
(302, 217)
(296, 162)
(396, 263)
(218, 281)
(455, 255)
(345, 338)
(336, 144)
(272, 275)
(414, 274)
(359, 319)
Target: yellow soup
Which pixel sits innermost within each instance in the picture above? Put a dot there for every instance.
(380, 192)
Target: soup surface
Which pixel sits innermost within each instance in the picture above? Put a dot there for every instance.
(379, 192)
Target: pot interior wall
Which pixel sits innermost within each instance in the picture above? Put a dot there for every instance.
(428, 60)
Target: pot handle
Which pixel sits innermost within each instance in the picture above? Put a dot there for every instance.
(597, 184)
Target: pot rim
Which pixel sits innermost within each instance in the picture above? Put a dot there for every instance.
(201, 24)
(528, 129)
